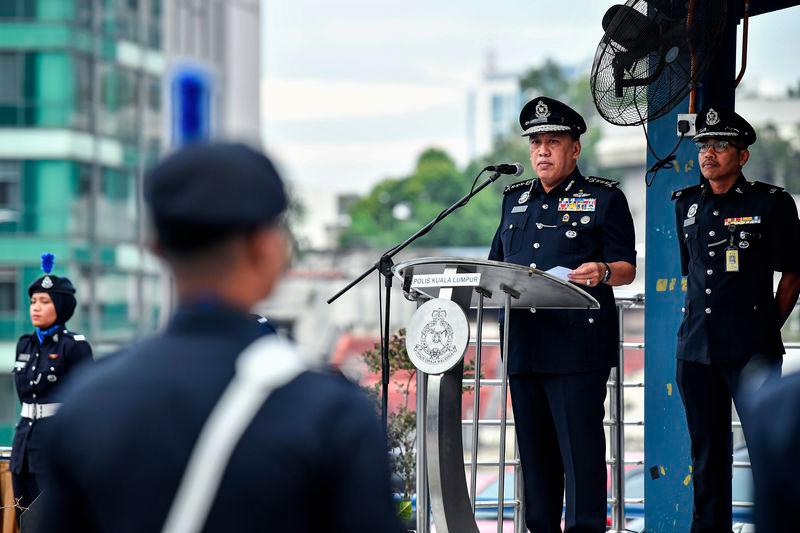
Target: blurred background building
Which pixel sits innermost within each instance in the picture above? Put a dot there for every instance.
(85, 107)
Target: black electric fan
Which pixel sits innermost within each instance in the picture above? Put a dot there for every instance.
(652, 54)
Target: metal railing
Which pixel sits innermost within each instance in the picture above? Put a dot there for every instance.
(616, 423)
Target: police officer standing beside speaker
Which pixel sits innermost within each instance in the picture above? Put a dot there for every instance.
(559, 360)
(44, 358)
(733, 235)
(143, 443)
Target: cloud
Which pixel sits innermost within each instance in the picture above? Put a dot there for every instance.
(316, 100)
(355, 166)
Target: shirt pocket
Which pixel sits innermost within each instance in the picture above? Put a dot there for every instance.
(574, 239)
(690, 240)
(513, 234)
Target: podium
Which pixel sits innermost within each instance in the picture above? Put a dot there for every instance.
(437, 340)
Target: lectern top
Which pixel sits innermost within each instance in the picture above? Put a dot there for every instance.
(536, 289)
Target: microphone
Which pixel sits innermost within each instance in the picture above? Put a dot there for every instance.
(514, 169)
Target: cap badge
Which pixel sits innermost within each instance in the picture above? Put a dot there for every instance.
(47, 283)
(542, 111)
(712, 118)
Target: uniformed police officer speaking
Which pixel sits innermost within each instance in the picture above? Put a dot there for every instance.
(734, 234)
(312, 459)
(559, 360)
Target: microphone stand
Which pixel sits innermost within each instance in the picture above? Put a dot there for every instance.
(384, 266)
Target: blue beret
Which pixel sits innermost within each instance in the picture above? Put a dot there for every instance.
(205, 192)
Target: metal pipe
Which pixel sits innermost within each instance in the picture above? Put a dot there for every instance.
(423, 504)
(745, 27)
(618, 434)
(519, 490)
(503, 408)
(476, 404)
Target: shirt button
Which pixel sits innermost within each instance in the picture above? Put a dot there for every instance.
(52, 369)
(30, 423)
(31, 382)
(712, 233)
(33, 367)
(34, 396)
(708, 310)
(708, 291)
(591, 321)
(712, 253)
(533, 265)
(685, 235)
(511, 226)
(683, 309)
(536, 245)
(755, 307)
(544, 206)
(709, 271)
(716, 213)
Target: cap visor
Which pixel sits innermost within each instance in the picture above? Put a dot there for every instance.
(707, 134)
(545, 128)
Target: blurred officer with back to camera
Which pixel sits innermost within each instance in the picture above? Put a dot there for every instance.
(137, 436)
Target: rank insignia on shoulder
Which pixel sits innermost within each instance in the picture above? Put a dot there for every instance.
(769, 187)
(683, 192)
(602, 181)
(516, 186)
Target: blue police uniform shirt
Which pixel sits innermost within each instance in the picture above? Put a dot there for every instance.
(583, 219)
(313, 459)
(39, 373)
(729, 312)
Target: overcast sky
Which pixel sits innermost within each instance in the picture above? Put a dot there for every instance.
(353, 90)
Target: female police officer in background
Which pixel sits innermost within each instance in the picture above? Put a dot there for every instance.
(44, 357)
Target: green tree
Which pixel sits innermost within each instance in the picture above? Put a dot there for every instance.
(774, 159)
(396, 208)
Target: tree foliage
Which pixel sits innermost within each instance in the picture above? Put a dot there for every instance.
(774, 159)
(396, 208)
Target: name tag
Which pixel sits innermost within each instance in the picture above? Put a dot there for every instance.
(519, 209)
(689, 221)
(24, 357)
(577, 204)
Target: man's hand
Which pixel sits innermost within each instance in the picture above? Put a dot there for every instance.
(589, 274)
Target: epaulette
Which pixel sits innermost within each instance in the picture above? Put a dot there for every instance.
(768, 187)
(688, 190)
(26, 336)
(602, 181)
(518, 185)
(76, 336)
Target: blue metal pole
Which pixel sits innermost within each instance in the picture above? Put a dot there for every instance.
(668, 480)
